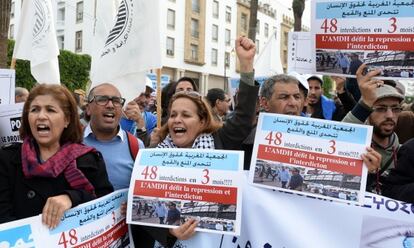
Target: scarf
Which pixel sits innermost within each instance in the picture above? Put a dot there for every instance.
(63, 161)
(203, 141)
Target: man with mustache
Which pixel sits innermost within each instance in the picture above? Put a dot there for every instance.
(379, 106)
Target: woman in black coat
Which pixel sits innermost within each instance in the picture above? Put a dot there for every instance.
(51, 171)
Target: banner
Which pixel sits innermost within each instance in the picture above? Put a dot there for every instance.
(36, 41)
(316, 157)
(7, 84)
(10, 122)
(168, 186)
(130, 49)
(378, 33)
(165, 79)
(94, 224)
(299, 55)
(280, 219)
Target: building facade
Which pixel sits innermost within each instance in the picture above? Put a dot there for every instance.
(197, 36)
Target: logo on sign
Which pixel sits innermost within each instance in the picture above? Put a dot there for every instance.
(15, 123)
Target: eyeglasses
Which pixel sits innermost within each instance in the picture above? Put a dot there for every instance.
(384, 109)
(103, 100)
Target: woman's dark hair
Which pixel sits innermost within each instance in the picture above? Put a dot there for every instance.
(188, 79)
(73, 133)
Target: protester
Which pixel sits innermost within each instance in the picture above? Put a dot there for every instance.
(380, 105)
(20, 94)
(192, 125)
(400, 182)
(319, 106)
(185, 84)
(51, 171)
(219, 102)
(351, 83)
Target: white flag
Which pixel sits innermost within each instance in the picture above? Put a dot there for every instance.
(268, 61)
(36, 41)
(130, 49)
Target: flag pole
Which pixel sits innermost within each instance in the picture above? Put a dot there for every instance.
(159, 110)
(13, 64)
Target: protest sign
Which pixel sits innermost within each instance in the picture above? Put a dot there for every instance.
(7, 85)
(97, 223)
(168, 186)
(10, 122)
(378, 33)
(316, 157)
(165, 79)
(281, 219)
(300, 58)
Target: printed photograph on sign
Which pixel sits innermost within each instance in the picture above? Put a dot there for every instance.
(316, 181)
(310, 156)
(170, 186)
(210, 215)
(349, 33)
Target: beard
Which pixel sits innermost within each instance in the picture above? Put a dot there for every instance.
(381, 132)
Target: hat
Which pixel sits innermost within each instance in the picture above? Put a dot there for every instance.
(317, 78)
(149, 85)
(301, 78)
(400, 87)
(387, 91)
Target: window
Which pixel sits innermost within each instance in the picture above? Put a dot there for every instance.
(227, 37)
(171, 19)
(79, 12)
(78, 41)
(227, 59)
(257, 27)
(257, 46)
(214, 32)
(194, 28)
(243, 22)
(170, 46)
(61, 14)
(195, 6)
(213, 56)
(215, 9)
(12, 10)
(266, 30)
(11, 31)
(194, 52)
(61, 42)
(228, 14)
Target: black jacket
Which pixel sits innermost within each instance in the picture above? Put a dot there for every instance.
(21, 197)
(400, 182)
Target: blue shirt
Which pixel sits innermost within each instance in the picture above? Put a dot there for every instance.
(118, 160)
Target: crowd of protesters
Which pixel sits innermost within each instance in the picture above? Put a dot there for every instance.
(98, 135)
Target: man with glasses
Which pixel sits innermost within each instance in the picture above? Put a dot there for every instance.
(219, 102)
(379, 106)
(104, 133)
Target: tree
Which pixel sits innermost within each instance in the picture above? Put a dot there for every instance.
(298, 7)
(74, 70)
(253, 19)
(5, 8)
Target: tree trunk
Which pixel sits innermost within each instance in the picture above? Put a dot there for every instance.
(253, 19)
(298, 6)
(5, 8)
